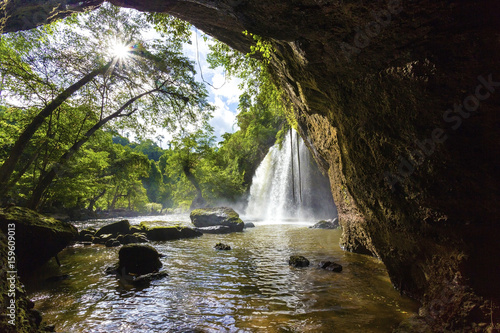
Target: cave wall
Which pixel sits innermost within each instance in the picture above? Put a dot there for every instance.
(399, 102)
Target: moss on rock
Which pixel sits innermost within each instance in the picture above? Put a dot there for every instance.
(38, 238)
(225, 216)
(171, 233)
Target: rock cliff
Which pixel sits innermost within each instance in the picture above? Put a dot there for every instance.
(399, 102)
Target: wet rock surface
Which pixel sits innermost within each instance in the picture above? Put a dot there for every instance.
(330, 266)
(138, 259)
(298, 261)
(117, 228)
(219, 216)
(222, 247)
(37, 238)
(171, 233)
(326, 224)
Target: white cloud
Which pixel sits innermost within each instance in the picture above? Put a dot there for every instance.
(224, 120)
(223, 92)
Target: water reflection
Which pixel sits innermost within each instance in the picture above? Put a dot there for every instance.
(248, 289)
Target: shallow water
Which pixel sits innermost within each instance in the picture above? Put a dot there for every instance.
(248, 289)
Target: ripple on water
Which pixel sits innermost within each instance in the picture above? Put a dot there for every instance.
(248, 289)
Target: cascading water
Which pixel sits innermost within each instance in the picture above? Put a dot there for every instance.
(288, 185)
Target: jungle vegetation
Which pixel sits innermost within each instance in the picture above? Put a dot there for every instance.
(68, 89)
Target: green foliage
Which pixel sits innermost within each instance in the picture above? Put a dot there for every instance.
(262, 47)
(152, 208)
(246, 147)
(261, 106)
(109, 171)
(153, 85)
(149, 148)
(172, 26)
(194, 165)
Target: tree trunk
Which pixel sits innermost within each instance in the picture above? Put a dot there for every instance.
(199, 201)
(115, 198)
(94, 200)
(10, 163)
(47, 179)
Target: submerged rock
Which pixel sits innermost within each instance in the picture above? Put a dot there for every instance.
(143, 281)
(330, 266)
(37, 238)
(103, 239)
(249, 225)
(222, 246)
(298, 261)
(171, 233)
(86, 234)
(117, 228)
(57, 278)
(326, 224)
(138, 266)
(112, 243)
(209, 217)
(217, 229)
(133, 238)
(138, 259)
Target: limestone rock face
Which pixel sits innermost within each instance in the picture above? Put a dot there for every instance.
(399, 103)
(37, 238)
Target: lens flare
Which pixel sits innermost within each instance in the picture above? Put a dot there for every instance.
(120, 50)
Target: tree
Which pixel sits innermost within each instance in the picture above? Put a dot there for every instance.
(195, 173)
(189, 149)
(262, 107)
(138, 84)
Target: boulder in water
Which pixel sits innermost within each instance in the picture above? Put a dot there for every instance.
(37, 238)
(85, 234)
(133, 238)
(326, 224)
(222, 246)
(117, 228)
(249, 225)
(138, 259)
(112, 243)
(330, 266)
(171, 233)
(298, 261)
(138, 228)
(209, 217)
(102, 239)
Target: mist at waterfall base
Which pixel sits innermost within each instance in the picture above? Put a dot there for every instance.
(288, 185)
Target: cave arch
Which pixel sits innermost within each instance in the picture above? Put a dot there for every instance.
(371, 83)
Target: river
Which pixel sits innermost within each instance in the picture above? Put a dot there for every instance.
(250, 288)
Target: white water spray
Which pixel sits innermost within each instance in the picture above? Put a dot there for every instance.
(288, 185)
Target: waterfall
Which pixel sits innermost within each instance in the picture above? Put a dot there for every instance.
(288, 185)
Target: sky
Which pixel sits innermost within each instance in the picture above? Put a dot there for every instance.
(224, 92)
